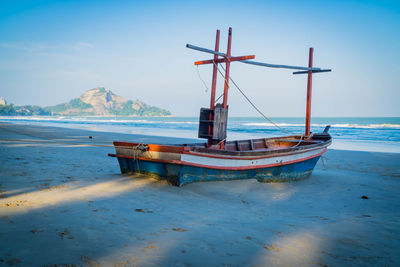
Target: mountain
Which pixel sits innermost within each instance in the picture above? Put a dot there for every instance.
(94, 102)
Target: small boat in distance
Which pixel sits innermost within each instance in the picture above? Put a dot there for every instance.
(276, 159)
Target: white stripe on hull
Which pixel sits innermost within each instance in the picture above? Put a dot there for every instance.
(218, 162)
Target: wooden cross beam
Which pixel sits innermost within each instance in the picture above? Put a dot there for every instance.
(224, 60)
(244, 60)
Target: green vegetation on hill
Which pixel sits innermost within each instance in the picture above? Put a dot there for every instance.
(142, 110)
(11, 110)
(153, 111)
(75, 103)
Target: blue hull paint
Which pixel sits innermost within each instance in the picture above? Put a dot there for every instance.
(182, 174)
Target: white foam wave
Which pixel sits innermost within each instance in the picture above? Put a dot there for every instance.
(270, 124)
(88, 120)
(180, 122)
(106, 120)
(344, 125)
(368, 126)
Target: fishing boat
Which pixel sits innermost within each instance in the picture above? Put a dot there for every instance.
(277, 159)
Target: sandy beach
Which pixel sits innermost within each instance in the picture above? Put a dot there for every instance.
(63, 202)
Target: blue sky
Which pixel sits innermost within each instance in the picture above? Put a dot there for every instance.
(52, 51)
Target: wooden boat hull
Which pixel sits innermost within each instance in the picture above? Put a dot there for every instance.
(184, 164)
(179, 175)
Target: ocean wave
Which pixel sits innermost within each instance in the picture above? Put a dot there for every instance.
(343, 125)
(368, 126)
(180, 122)
(89, 120)
(266, 124)
(150, 121)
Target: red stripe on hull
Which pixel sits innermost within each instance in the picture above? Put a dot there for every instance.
(222, 167)
(248, 158)
(186, 150)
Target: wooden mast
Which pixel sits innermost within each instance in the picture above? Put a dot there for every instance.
(213, 120)
(215, 72)
(226, 82)
(309, 91)
(213, 90)
(227, 67)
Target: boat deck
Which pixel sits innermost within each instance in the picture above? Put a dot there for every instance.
(263, 144)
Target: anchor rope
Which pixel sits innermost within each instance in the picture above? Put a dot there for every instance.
(140, 147)
(71, 143)
(323, 161)
(55, 142)
(136, 149)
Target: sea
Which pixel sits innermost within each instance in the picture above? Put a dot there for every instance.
(362, 134)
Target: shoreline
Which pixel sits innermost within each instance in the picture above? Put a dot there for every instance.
(337, 144)
(70, 200)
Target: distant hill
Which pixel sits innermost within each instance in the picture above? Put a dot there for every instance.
(94, 102)
(11, 110)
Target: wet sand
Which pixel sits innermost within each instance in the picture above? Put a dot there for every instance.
(63, 202)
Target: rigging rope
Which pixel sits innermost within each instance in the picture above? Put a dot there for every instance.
(247, 98)
(198, 73)
(219, 97)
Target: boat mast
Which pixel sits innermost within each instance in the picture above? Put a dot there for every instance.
(213, 120)
(227, 67)
(309, 89)
(215, 73)
(213, 89)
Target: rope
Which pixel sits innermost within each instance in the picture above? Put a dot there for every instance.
(53, 142)
(136, 149)
(142, 147)
(219, 98)
(247, 98)
(198, 73)
(70, 143)
(323, 162)
(301, 139)
(221, 142)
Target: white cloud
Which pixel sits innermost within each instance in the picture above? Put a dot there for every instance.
(83, 45)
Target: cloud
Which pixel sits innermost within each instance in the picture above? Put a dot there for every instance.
(83, 45)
